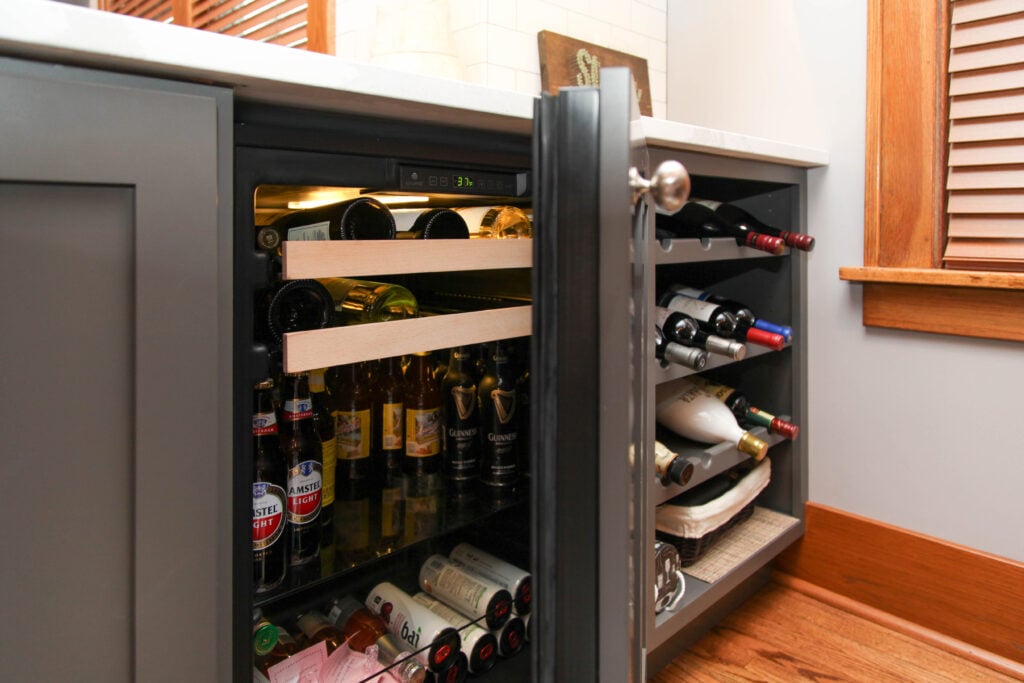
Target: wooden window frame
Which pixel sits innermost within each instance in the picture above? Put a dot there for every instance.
(905, 286)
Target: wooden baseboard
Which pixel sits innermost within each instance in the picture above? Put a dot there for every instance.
(954, 591)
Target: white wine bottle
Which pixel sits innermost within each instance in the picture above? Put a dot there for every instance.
(699, 416)
(499, 222)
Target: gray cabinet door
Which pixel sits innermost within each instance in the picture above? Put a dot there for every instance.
(115, 365)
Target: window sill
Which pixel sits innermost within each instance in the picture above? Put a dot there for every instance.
(989, 305)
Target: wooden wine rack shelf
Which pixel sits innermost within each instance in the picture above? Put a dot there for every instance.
(353, 343)
(362, 258)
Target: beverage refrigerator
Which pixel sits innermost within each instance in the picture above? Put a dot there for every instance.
(574, 291)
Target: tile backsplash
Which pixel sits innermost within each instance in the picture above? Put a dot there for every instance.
(494, 42)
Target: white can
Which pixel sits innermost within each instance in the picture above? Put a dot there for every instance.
(474, 596)
(517, 581)
(511, 637)
(434, 641)
(478, 644)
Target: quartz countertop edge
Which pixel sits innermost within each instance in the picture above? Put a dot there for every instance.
(54, 32)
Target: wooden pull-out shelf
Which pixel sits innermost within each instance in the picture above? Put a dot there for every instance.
(362, 258)
(350, 344)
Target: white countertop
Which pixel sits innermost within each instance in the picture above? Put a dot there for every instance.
(59, 33)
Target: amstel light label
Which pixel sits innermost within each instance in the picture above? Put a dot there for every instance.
(268, 506)
(304, 489)
(263, 424)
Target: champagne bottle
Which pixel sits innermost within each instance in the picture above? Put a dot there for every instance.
(744, 412)
(670, 467)
(742, 312)
(435, 223)
(699, 416)
(362, 301)
(738, 216)
(363, 218)
(671, 352)
(697, 220)
(680, 328)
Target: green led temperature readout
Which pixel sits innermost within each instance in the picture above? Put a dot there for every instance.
(428, 179)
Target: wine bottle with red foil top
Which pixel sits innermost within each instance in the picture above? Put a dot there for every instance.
(740, 406)
(697, 220)
(718, 319)
(738, 216)
(680, 328)
(670, 352)
(744, 315)
(699, 416)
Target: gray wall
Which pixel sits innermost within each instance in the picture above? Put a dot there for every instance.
(916, 430)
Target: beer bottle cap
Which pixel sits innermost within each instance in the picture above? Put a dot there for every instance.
(267, 383)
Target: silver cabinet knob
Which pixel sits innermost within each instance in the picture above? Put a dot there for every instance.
(669, 186)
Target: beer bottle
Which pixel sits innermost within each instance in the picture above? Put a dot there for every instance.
(391, 502)
(421, 495)
(269, 500)
(351, 409)
(388, 418)
(461, 449)
(499, 427)
(324, 423)
(301, 446)
(353, 522)
(422, 417)
(316, 628)
(364, 629)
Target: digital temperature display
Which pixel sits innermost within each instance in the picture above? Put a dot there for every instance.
(458, 181)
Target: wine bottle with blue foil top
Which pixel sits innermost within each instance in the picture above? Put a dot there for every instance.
(744, 315)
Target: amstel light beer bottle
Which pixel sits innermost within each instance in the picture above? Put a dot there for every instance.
(301, 446)
(269, 499)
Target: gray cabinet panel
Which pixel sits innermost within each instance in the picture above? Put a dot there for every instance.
(119, 179)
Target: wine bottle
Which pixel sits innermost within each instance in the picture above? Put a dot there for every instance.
(498, 222)
(363, 218)
(671, 467)
(697, 220)
(718, 319)
(742, 312)
(738, 216)
(744, 412)
(680, 328)
(700, 416)
(671, 352)
(437, 223)
(294, 306)
(362, 301)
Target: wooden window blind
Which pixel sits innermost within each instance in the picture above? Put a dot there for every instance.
(305, 24)
(985, 181)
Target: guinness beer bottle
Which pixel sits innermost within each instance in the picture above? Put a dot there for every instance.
(499, 426)
(461, 458)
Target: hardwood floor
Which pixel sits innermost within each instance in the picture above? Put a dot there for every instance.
(782, 635)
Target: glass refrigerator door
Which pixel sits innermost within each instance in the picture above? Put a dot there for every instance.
(588, 348)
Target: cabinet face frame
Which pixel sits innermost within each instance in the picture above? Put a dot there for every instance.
(170, 144)
(788, 492)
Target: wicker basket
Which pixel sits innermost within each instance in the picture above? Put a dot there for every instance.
(693, 529)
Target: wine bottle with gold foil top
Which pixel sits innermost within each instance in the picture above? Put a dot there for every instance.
(740, 406)
(696, 414)
(351, 407)
(423, 407)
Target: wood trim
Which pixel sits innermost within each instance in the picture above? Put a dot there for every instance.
(320, 27)
(962, 593)
(934, 276)
(905, 136)
(965, 311)
(907, 628)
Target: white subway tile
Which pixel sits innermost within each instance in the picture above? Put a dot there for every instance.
(648, 21)
(535, 16)
(528, 82)
(502, 13)
(581, 6)
(471, 44)
(512, 49)
(501, 77)
(477, 73)
(466, 13)
(661, 5)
